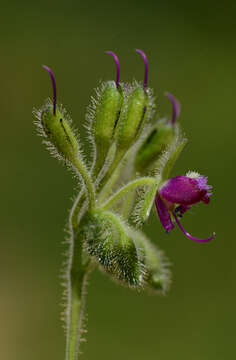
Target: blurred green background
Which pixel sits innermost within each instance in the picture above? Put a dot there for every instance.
(192, 51)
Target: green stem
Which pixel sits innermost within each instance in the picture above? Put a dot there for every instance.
(77, 274)
(76, 306)
(78, 164)
(144, 181)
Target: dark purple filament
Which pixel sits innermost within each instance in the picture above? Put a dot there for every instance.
(54, 88)
(187, 234)
(146, 68)
(117, 66)
(176, 107)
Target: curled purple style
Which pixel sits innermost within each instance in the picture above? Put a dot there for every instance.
(188, 235)
(176, 107)
(117, 66)
(54, 88)
(146, 68)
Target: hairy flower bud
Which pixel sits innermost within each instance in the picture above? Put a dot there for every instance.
(153, 146)
(59, 133)
(57, 127)
(133, 117)
(106, 116)
(157, 141)
(108, 241)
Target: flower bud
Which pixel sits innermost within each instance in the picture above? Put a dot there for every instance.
(106, 116)
(133, 116)
(59, 133)
(107, 240)
(57, 128)
(135, 112)
(158, 140)
(153, 146)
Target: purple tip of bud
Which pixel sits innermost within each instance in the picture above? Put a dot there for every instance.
(188, 235)
(54, 88)
(176, 107)
(146, 68)
(117, 66)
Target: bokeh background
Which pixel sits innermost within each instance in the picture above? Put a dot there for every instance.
(192, 51)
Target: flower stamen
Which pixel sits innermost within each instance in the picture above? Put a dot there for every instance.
(117, 66)
(54, 88)
(146, 68)
(187, 234)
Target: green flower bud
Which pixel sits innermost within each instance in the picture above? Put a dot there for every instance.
(107, 240)
(153, 146)
(59, 133)
(56, 128)
(159, 139)
(105, 119)
(133, 117)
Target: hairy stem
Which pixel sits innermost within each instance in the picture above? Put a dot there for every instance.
(78, 269)
(78, 164)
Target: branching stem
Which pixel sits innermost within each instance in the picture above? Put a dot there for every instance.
(144, 181)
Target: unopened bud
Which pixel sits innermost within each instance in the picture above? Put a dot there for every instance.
(153, 146)
(106, 115)
(108, 241)
(158, 140)
(57, 128)
(133, 117)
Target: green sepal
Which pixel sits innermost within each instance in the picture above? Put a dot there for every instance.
(157, 141)
(58, 132)
(107, 240)
(157, 273)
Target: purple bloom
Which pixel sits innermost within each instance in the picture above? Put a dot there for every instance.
(183, 191)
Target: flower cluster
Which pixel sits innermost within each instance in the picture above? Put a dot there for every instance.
(132, 157)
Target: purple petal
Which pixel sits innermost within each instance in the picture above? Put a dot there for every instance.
(54, 88)
(117, 66)
(146, 68)
(163, 214)
(176, 107)
(183, 190)
(188, 235)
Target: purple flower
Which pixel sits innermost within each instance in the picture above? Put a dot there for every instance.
(177, 195)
